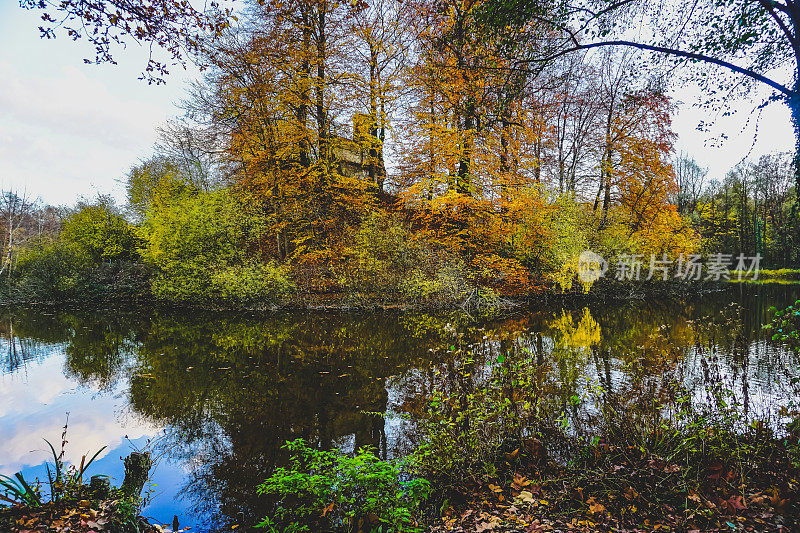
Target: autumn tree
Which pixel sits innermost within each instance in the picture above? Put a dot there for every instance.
(468, 103)
(574, 111)
(272, 103)
(381, 43)
(744, 44)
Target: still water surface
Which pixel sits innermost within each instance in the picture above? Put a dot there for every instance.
(213, 396)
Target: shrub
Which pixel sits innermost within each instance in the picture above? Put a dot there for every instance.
(181, 283)
(238, 284)
(467, 430)
(101, 231)
(388, 258)
(119, 280)
(785, 326)
(331, 491)
(52, 268)
(197, 241)
(252, 283)
(440, 286)
(384, 252)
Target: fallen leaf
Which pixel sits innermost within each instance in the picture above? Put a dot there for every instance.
(487, 526)
(526, 497)
(595, 507)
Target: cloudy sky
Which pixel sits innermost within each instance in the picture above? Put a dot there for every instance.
(69, 129)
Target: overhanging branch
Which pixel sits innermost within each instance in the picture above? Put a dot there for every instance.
(675, 52)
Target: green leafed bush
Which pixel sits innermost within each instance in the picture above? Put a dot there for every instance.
(784, 326)
(252, 283)
(330, 491)
(197, 242)
(101, 231)
(51, 268)
(383, 255)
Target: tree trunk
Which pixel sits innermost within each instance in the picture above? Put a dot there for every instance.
(504, 165)
(381, 164)
(431, 151)
(322, 125)
(462, 186)
(302, 110)
(794, 108)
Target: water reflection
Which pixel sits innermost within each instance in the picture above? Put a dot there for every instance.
(218, 395)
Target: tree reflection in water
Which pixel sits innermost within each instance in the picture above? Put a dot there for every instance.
(230, 390)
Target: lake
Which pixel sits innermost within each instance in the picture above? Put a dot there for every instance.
(214, 395)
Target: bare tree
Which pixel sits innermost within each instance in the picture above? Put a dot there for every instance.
(381, 46)
(691, 180)
(16, 216)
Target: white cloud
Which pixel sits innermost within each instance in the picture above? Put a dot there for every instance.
(33, 407)
(61, 134)
(748, 133)
(69, 129)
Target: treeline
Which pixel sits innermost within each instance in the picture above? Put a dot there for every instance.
(750, 211)
(56, 253)
(396, 151)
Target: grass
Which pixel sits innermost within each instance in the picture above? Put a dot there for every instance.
(18, 490)
(782, 274)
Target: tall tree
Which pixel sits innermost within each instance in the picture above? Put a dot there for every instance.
(381, 45)
(15, 211)
(690, 178)
(757, 42)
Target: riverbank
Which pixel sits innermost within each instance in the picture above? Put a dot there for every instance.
(478, 300)
(85, 516)
(73, 506)
(601, 487)
(781, 274)
(625, 491)
(704, 477)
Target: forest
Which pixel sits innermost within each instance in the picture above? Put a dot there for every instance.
(396, 152)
